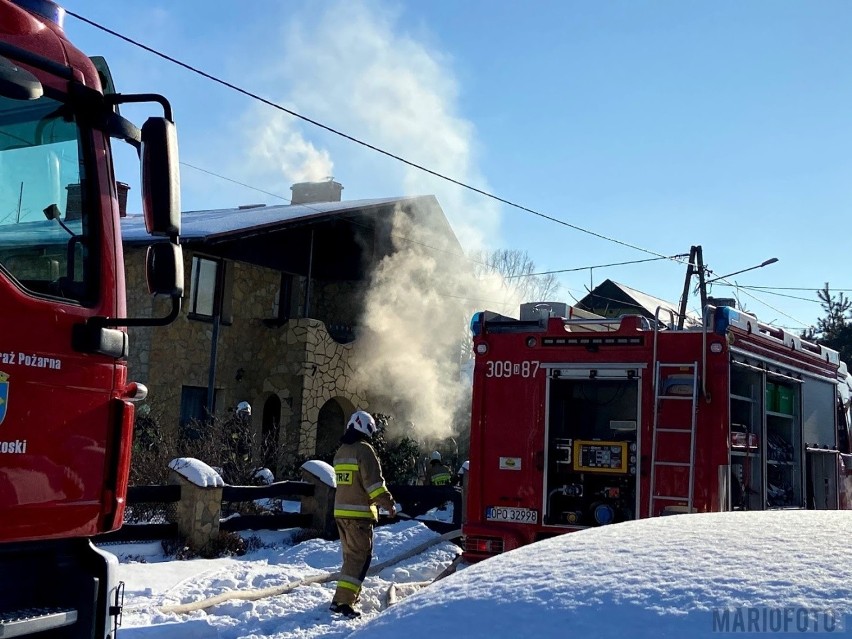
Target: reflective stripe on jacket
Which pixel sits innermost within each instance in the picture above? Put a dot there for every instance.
(360, 485)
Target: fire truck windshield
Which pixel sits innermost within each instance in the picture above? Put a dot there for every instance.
(45, 226)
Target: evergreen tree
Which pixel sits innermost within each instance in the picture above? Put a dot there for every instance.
(398, 456)
(835, 329)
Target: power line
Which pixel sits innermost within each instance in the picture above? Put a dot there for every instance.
(223, 177)
(793, 288)
(770, 291)
(434, 248)
(767, 304)
(585, 268)
(360, 142)
(461, 255)
(722, 282)
(395, 157)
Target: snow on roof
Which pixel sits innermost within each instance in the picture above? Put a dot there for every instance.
(322, 471)
(197, 472)
(651, 303)
(196, 225)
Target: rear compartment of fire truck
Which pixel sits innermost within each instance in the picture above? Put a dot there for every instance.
(591, 446)
(52, 589)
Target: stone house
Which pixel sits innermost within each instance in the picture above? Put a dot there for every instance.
(270, 313)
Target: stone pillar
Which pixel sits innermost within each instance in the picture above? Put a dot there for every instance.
(200, 505)
(321, 505)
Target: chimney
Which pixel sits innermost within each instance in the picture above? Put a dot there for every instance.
(121, 190)
(310, 192)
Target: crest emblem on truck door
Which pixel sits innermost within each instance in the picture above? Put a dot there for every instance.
(4, 394)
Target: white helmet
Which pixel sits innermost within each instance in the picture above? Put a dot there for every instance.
(464, 468)
(435, 456)
(244, 407)
(363, 422)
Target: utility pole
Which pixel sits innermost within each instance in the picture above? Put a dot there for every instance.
(695, 267)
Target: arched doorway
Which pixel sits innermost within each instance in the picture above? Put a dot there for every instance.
(331, 422)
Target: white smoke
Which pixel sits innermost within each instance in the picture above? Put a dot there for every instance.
(280, 155)
(356, 66)
(413, 340)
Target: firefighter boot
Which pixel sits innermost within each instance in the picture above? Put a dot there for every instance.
(346, 610)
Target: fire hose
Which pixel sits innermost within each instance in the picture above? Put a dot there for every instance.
(392, 594)
(273, 591)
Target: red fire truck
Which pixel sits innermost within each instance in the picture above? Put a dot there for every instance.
(66, 405)
(584, 422)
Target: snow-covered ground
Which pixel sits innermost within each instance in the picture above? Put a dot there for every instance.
(682, 576)
(155, 584)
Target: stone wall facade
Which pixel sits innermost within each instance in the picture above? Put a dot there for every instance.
(257, 358)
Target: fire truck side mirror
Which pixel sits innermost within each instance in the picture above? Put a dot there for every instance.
(17, 83)
(160, 177)
(164, 269)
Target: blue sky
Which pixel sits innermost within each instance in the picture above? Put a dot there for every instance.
(661, 125)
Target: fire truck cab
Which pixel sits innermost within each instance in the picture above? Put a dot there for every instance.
(66, 403)
(584, 422)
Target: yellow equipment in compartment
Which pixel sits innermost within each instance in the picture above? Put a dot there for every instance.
(592, 456)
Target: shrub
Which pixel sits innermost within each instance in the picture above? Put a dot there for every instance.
(227, 544)
(228, 444)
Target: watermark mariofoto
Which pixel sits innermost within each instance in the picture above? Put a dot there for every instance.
(766, 619)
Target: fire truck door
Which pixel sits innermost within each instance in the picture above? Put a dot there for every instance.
(591, 446)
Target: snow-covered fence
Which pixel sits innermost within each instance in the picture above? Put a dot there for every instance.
(151, 513)
(282, 490)
(202, 503)
(196, 498)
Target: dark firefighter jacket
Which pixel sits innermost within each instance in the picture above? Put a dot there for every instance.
(439, 475)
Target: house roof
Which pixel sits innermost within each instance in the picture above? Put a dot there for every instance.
(648, 302)
(223, 223)
(323, 240)
(616, 295)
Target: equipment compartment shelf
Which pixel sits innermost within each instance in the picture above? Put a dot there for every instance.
(742, 398)
(770, 413)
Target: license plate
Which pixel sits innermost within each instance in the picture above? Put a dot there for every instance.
(518, 515)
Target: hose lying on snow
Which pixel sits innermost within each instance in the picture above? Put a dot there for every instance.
(393, 589)
(261, 593)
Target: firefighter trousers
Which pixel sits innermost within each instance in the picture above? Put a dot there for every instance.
(356, 544)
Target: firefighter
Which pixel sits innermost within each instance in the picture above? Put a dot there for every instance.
(464, 479)
(460, 476)
(439, 475)
(244, 410)
(360, 488)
